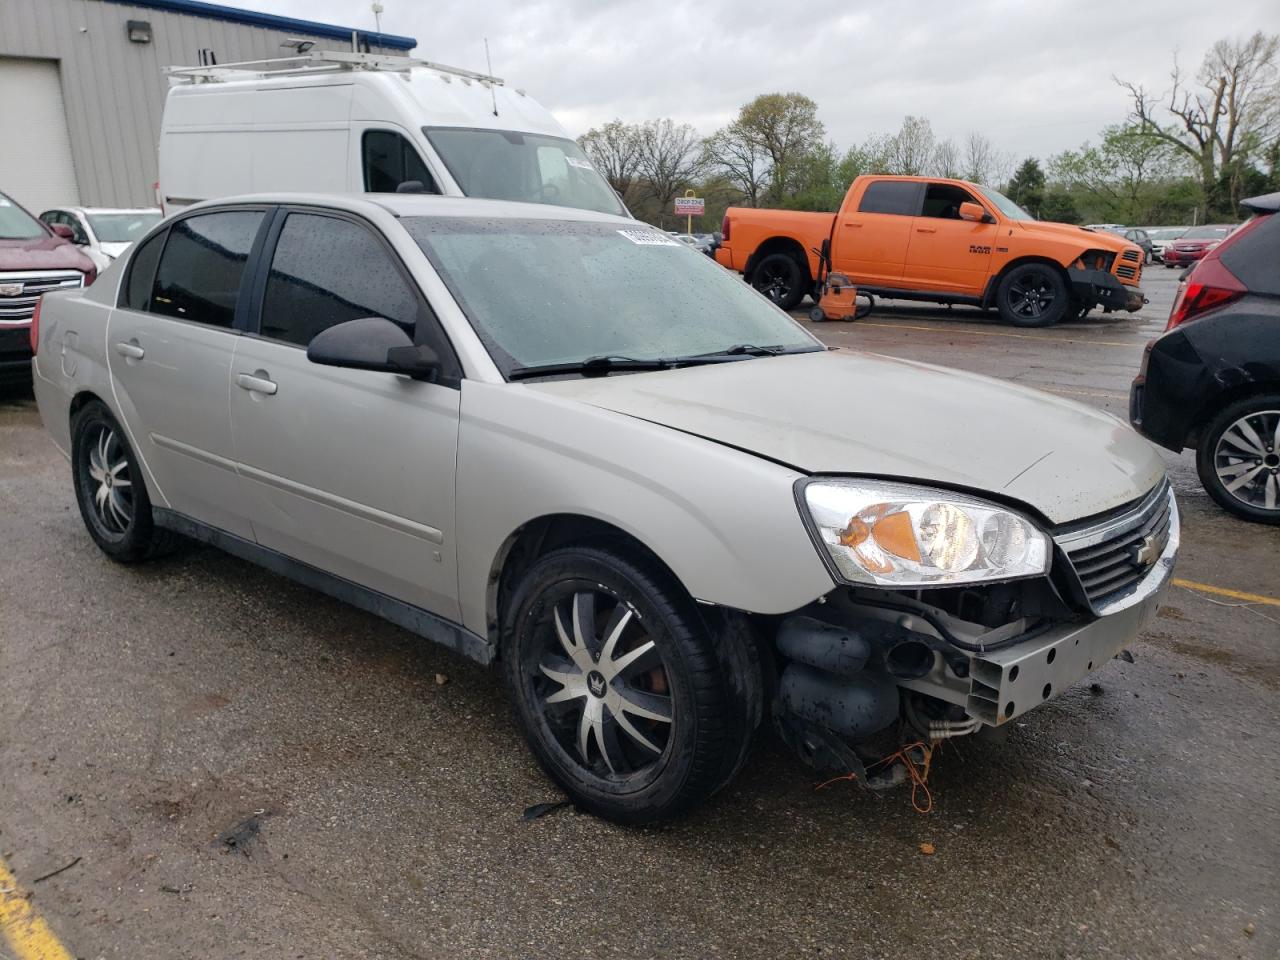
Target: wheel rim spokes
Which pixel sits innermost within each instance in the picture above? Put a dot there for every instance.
(1030, 297)
(1246, 459)
(605, 685)
(111, 481)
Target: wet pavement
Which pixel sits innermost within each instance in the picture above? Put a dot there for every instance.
(244, 768)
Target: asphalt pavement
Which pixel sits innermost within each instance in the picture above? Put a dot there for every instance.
(235, 766)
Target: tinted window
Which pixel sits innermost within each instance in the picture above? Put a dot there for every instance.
(326, 271)
(16, 223)
(942, 200)
(142, 272)
(390, 160)
(891, 196)
(1254, 257)
(202, 266)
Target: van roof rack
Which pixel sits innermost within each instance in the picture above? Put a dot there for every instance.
(316, 61)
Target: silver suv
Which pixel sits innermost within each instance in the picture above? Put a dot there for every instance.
(562, 442)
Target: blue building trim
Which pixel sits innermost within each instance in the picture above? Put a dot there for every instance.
(216, 11)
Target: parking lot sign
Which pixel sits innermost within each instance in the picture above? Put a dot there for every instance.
(690, 206)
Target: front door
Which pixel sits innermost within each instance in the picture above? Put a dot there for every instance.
(169, 348)
(351, 471)
(946, 253)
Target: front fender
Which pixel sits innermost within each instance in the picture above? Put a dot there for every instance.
(724, 521)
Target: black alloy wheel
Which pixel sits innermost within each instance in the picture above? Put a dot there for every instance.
(780, 278)
(1032, 295)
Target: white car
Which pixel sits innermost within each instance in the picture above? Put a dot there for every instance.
(102, 233)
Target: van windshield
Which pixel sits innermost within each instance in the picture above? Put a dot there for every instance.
(531, 167)
(16, 223)
(542, 292)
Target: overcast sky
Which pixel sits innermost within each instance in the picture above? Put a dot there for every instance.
(1033, 75)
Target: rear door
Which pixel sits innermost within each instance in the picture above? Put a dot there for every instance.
(946, 253)
(351, 471)
(169, 347)
(871, 242)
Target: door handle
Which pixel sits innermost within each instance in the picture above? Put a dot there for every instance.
(255, 384)
(130, 350)
(926, 229)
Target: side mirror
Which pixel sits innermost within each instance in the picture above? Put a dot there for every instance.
(373, 343)
(973, 212)
(63, 231)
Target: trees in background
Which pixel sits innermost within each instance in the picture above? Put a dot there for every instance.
(1185, 155)
(1222, 120)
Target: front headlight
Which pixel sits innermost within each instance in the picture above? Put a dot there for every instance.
(897, 535)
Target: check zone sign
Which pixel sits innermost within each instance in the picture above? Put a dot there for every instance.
(690, 206)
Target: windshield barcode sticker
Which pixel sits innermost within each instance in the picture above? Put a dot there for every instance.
(649, 238)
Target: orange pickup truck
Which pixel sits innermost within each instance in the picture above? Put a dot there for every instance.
(943, 241)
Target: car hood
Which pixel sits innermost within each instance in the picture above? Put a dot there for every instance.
(42, 253)
(1100, 239)
(862, 414)
(114, 250)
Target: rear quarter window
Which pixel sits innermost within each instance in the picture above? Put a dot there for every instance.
(1255, 257)
(136, 294)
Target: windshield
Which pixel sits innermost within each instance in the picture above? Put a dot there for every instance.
(1206, 233)
(554, 291)
(122, 227)
(1006, 206)
(1168, 233)
(532, 167)
(17, 224)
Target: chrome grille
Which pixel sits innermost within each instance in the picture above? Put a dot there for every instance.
(16, 307)
(1112, 555)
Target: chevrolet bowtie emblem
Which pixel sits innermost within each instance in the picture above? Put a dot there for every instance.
(10, 289)
(1147, 551)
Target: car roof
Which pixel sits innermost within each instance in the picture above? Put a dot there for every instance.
(425, 205)
(1267, 203)
(105, 210)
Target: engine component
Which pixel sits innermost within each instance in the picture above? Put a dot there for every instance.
(853, 707)
(824, 645)
(909, 660)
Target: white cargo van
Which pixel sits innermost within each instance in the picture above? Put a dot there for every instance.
(333, 122)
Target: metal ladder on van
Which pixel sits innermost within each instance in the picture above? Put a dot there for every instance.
(317, 62)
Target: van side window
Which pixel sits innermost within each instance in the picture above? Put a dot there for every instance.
(390, 160)
(942, 200)
(202, 265)
(891, 196)
(327, 270)
(142, 273)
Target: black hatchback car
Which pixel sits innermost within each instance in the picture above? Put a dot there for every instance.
(1212, 381)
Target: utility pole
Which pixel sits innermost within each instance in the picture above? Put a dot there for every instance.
(377, 16)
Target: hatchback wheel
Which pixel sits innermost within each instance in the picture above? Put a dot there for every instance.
(620, 688)
(1238, 458)
(1032, 295)
(110, 490)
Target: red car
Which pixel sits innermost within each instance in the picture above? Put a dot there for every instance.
(1194, 244)
(34, 259)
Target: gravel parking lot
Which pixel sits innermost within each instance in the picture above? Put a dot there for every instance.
(240, 767)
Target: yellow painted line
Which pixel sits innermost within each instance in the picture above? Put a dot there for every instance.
(1225, 592)
(954, 328)
(28, 936)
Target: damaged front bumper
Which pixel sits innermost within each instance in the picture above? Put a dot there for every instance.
(1100, 288)
(860, 659)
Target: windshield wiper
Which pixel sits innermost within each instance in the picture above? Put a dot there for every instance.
(590, 367)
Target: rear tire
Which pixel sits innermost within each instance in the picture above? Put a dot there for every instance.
(781, 278)
(564, 675)
(110, 489)
(1032, 295)
(1238, 449)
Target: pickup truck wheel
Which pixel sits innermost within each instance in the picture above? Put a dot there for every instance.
(110, 490)
(1238, 458)
(1032, 295)
(780, 278)
(620, 688)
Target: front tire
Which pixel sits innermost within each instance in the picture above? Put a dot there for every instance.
(1032, 295)
(1238, 458)
(781, 278)
(110, 490)
(627, 699)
